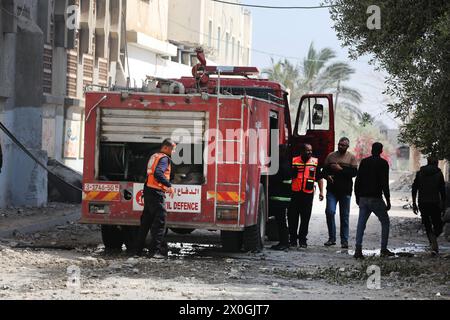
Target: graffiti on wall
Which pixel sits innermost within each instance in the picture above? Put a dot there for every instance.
(72, 139)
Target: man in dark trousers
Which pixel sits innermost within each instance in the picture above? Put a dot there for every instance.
(430, 184)
(371, 183)
(305, 172)
(280, 197)
(154, 214)
(339, 168)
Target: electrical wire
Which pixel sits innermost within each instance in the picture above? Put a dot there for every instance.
(270, 54)
(273, 7)
(24, 149)
(10, 13)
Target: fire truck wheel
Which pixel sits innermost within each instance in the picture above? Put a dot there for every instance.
(181, 230)
(129, 235)
(231, 240)
(253, 237)
(112, 237)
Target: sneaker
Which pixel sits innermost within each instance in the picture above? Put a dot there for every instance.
(279, 247)
(358, 253)
(329, 243)
(303, 245)
(344, 245)
(293, 244)
(386, 253)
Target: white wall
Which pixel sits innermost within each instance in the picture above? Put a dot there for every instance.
(144, 62)
(189, 24)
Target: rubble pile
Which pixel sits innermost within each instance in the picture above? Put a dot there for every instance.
(404, 183)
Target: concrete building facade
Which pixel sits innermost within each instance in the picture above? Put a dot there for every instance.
(148, 48)
(225, 31)
(114, 43)
(22, 181)
(84, 46)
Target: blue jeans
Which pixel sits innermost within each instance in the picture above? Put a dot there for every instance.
(344, 212)
(378, 207)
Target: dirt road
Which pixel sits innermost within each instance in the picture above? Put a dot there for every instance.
(68, 262)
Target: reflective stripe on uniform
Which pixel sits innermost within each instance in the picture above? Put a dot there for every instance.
(282, 199)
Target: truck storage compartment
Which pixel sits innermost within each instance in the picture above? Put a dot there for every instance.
(128, 162)
(128, 138)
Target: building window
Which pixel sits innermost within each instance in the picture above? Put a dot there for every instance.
(177, 58)
(210, 31)
(227, 46)
(232, 50)
(218, 40)
(248, 56)
(185, 58)
(239, 53)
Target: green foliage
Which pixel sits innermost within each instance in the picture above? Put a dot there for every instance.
(317, 73)
(413, 46)
(366, 119)
(320, 74)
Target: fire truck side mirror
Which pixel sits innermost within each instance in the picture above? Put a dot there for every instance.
(317, 117)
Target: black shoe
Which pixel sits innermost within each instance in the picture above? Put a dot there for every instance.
(293, 244)
(279, 247)
(135, 252)
(358, 253)
(386, 253)
(433, 242)
(329, 243)
(303, 245)
(344, 245)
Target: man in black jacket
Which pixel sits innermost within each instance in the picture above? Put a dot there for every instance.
(371, 183)
(430, 184)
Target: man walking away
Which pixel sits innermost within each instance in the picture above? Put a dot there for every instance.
(371, 182)
(430, 184)
(340, 168)
(154, 214)
(305, 173)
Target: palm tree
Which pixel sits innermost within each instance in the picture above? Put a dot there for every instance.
(317, 74)
(285, 73)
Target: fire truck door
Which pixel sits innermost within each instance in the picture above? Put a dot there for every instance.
(314, 124)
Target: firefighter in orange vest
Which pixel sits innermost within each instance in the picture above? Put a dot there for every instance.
(154, 214)
(305, 172)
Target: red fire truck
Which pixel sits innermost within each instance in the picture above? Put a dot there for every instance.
(228, 124)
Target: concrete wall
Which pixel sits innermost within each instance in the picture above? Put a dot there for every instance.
(149, 17)
(22, 182)
(186, 21)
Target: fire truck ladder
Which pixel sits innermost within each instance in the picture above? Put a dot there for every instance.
(219, 155)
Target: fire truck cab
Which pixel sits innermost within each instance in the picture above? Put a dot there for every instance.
(229, 126)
